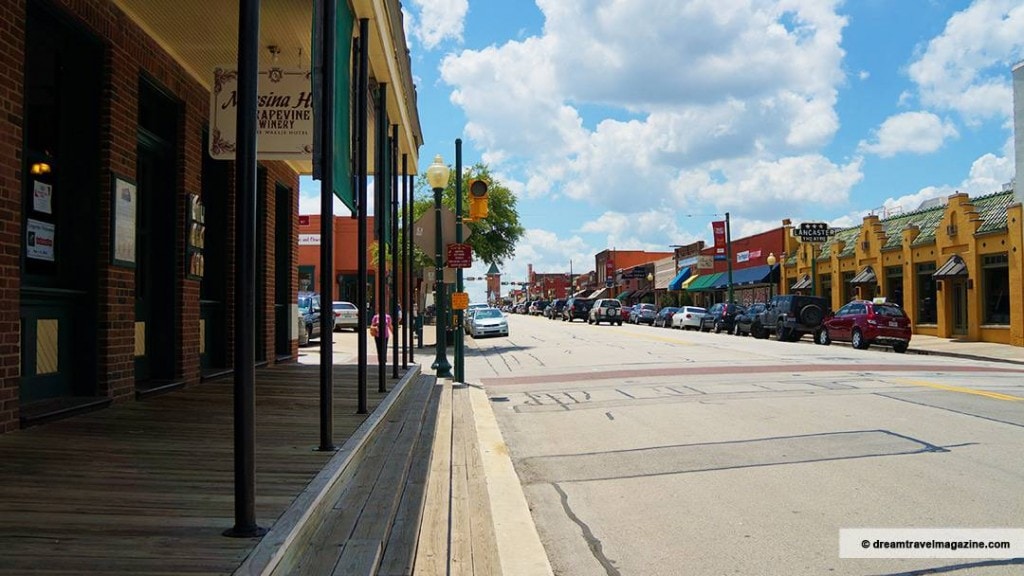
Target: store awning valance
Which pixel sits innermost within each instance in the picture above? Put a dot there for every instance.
(704, 282)
(744, 277)
(623, 295)
(677, 282)
(955, 266)
(802, 284)
(866, 276)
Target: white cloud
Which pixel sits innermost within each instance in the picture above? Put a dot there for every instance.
(863, 75)
(966, 68)
(438, 20)
(916, 132)
(759, 86)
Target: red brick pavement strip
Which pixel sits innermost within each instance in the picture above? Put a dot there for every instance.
(711, 370)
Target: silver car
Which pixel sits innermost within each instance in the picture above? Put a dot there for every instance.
(346, 315)
(488, 322)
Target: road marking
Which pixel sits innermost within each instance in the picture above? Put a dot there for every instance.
(987, 394)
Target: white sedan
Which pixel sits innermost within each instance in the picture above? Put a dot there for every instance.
(688, 317)
(488, 322)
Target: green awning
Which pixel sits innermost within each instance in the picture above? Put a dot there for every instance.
(622, 296)
(704, 282)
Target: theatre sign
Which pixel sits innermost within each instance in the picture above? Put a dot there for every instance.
(284, 116)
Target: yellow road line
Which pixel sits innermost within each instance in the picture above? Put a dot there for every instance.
(987, 394)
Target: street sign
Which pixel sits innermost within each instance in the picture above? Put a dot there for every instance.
(460, 300)
(814, 231)
(424, 226)
(460, 255)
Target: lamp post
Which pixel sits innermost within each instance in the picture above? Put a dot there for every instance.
(771, 274)
(650, 286)
(437, 178)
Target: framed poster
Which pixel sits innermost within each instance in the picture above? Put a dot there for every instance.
(123, 212)
(195, 238)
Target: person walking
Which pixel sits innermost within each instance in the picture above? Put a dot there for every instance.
(381, 334)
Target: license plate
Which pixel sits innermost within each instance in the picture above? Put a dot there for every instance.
(894, 324)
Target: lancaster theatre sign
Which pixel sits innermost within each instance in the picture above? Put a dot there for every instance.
(284, 117)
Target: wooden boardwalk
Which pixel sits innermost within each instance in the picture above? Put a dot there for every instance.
(146, 487)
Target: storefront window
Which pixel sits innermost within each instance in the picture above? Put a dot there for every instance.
(894, 285)
(825, 286)
(849, 290)
(995, 277)
(926, 307)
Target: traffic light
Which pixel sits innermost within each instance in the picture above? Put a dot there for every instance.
(477, 199)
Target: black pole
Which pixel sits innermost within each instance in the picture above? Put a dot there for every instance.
(406, 268)
(380, 218)
(413, 302)
(460, 374)
(441, 360)
(245, 273)
(728, 253)
(394, 247)
(329, 36)
(362, 110)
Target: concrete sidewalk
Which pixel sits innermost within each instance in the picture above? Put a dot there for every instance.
(931, 345)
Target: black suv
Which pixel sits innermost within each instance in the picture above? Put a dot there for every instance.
(720, 317)
(576, 308)
(309, 309)
(554, 310)
(790, 316)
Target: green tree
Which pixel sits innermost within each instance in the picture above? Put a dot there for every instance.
(493, 239)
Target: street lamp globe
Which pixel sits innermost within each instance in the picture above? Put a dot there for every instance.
(650, 277)
(771, 259)
(771, 274)
(437, 173)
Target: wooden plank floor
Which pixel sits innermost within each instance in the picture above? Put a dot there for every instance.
(147, 487)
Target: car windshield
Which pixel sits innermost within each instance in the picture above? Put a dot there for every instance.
(305, 302)
(647, 306)
(487, 313)
(344, 306)
(612, 303)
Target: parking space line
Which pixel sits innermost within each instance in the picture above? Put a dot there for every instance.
(937, 386)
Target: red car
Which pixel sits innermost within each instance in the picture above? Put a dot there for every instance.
(863, 323)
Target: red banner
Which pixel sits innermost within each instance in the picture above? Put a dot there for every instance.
(719, 229)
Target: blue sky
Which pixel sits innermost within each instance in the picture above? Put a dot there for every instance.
(634, 123)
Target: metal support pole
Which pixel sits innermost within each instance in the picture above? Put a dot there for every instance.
(329, 36)
(394, 249)
(814, 271)
(362, 110)
(381, 209)
(728, 254)
(413, 303)
(460, 361)
(245, 274)
(406, 265)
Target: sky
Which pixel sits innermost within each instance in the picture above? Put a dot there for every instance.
(632, 124)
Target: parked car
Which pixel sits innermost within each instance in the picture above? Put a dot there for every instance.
(642, 314)
(664, 316)
(864, 322)
(346, 315)
(303, 334)
(554, 310)
(537, 307)
(576, 308)
(309, 307)
(688, 317)
(720, 317)
(488, 322)
(624, 312)
(605, 310)
(790, 316)
(744, 321)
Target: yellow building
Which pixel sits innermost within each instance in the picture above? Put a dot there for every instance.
(956, 269)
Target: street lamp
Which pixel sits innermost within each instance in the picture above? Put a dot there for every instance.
(437, 178)
(650, 286)
(771, 274)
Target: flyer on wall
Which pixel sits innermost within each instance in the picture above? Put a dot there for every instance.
(39, 240)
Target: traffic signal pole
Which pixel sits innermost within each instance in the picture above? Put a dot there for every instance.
(460, 360)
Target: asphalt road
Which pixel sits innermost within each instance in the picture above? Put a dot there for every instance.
(649, 451)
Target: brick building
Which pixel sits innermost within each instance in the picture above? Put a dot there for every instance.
(117, 256)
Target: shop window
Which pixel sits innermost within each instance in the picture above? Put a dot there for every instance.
(825, 286)
(995, 281)
(927, 310)
(894, 285)
(849, 290)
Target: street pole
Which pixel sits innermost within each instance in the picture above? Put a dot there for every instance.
(728, 254)
(437, 177)
(460, 361)
(814, 272)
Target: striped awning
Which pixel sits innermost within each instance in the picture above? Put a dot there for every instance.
(704, 282)
(677, 282)
(802, 284)
(866, 276)
(955, 266)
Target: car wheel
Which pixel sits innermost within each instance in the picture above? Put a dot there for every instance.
(858, 341)
(309, 334)
(619, 323)
(899, 347)
(718, 328)
(782, 334)
(822, 337)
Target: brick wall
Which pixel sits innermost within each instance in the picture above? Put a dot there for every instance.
(128, 54)
(12, 58)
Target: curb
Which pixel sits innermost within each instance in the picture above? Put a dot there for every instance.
(277, 550)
